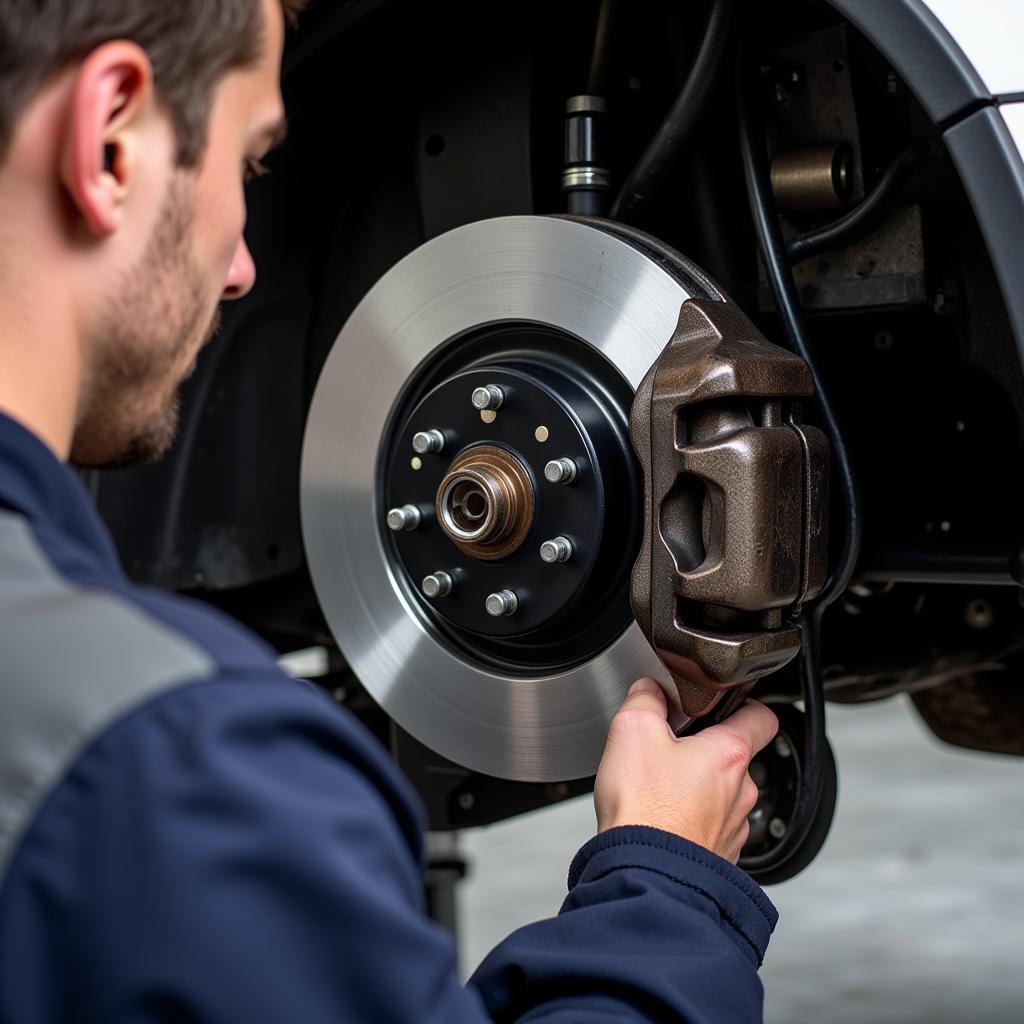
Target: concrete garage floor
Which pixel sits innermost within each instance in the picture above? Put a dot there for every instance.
(914, 911)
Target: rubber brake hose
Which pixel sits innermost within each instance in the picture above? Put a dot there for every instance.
(597, 80)
(664, 151)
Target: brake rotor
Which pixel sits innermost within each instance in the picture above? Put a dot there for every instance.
(480, 394)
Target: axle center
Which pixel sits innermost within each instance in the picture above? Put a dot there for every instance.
(485, 503)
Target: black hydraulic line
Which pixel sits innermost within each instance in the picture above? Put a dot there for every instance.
(597, 80)
(863, 218)
(665, 149)
(941, 562)
(773, 253)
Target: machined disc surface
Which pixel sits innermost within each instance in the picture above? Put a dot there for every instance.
(571, 276)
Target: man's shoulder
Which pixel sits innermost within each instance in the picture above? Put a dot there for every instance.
(36, 558)
(92, 661)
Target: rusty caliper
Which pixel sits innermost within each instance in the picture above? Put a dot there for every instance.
(735, 506)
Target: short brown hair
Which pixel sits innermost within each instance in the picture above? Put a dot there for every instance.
(191, 44)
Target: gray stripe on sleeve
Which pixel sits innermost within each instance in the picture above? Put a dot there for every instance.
(72, 662)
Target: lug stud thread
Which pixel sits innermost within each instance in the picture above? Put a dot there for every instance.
(437, 584)
(504, 602)
(489, 397)
(427, 442)
(560, 471)
(560, 549)
(405, 518)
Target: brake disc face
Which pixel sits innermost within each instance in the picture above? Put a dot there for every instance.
(480, 394)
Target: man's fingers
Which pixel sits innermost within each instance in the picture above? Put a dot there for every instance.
(646, 695)
(753, 723)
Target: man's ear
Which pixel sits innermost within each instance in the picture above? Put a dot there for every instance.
(112, 93)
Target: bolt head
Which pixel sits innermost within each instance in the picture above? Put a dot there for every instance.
(405, 518)
(437, 584)
(427, 442)
(560, 471)
(782, 747)
(503, 603)
(488, 397)
(776, 828)
(979, 614)
(557, 550)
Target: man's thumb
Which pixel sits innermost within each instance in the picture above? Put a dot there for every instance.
(646, 695)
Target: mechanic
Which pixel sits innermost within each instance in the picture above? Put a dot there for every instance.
(186, 833)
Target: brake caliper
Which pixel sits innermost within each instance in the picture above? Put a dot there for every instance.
(735, 504)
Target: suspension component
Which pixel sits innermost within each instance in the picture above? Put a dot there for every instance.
(735, 500)
(586, 181)
(810, 180)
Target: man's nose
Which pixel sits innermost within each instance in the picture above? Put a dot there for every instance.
(241, 274)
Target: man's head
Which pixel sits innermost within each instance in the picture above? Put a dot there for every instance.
(126, 130)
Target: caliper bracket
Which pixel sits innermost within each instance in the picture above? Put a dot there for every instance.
(735, 504)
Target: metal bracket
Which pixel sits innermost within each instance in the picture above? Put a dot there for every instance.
(735, 504)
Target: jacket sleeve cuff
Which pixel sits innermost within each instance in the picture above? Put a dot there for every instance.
(740, 900)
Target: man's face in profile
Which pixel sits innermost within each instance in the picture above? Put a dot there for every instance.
(145, 336)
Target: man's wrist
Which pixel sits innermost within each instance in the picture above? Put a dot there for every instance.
(731, 894)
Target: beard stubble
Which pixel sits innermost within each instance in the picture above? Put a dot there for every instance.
(139, 352)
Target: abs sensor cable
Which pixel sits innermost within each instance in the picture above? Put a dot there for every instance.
(777, 265)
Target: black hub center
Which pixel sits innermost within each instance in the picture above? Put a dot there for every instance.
(548, 465)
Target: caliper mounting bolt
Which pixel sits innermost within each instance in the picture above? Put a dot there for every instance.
(504, 602)
(560, 471)
(405, 518)
(427, 442)
(558, 550)
(437, 584)
(488, 397)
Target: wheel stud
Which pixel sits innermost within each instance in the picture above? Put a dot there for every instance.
(558, 550)
(560, 471)
(504, 602)
(488, 397)
(405, 518)
(437, 584)
(427, 442)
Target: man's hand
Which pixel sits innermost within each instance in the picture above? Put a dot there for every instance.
(695, 786)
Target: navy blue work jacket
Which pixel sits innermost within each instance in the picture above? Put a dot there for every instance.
(186, 834)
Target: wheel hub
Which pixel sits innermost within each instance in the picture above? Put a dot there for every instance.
(505, 482)
(485, 504)
(476, 579)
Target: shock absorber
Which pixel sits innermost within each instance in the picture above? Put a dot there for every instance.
(585, 180)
